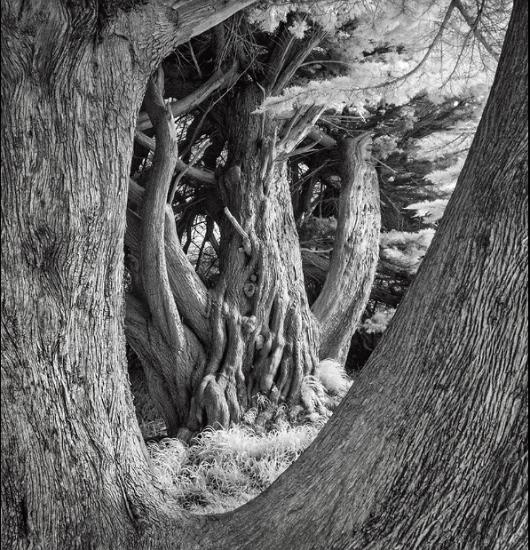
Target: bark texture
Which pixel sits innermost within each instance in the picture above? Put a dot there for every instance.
(353, 263)
(72, 83)
(429, 448)
(64, 409)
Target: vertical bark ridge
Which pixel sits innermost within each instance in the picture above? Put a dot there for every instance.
(153, 258)
(346, 289)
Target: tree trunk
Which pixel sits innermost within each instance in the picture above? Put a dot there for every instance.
(262, 338)
(267, 331)
(71, 87)
(428, 449)
(64, 400)
(353, 263)
(262, 342)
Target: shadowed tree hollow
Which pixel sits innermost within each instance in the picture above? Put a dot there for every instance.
(429, 449)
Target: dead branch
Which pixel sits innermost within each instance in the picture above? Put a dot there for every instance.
(246, 240)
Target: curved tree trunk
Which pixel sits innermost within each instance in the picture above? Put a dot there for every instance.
(72, 83)
(428, 449)
(353, 263)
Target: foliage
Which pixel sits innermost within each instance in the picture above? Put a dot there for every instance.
(402, 251)
(379, 321)
(389, 51)
(333, 377)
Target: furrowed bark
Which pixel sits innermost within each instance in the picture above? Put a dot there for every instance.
(429, 447)
(189, 292)
(349, 280)
(155, 279)
(262, 337)
(66, 408)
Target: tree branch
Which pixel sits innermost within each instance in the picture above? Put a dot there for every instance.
(156, 28)
(320, 137)
(288, 56)
(429, 51)
(152, 249)
(288, 72)
(473, 25)
(189, 292)
(217, 81)
(203, 176)
(354, 258)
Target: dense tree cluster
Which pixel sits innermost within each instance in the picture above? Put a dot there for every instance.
(429, 446)
(279, 192)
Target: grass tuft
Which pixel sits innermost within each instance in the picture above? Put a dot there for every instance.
(333, 377)
(223, 469)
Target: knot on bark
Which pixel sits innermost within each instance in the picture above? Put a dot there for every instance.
(249, 289)
(248, 324)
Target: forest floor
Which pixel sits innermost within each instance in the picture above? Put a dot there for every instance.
(222, 469)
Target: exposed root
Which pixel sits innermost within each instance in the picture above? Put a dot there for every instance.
(266, 355)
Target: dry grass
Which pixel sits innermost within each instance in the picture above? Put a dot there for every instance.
(333, 377)
(223, 469)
